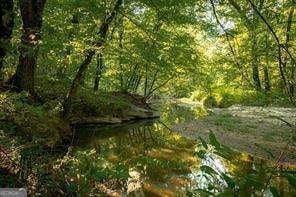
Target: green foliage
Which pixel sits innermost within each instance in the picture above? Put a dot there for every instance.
(102, 104)
(226, 96)
(32, 123)
(154, 48)
(213, 141)
(255, 181)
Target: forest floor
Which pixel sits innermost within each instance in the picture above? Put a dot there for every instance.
(260, 131)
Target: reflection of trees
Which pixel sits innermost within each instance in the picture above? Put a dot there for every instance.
(140, 139)
(173, 113)
(124, 139)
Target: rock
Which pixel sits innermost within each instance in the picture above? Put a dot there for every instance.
(141, 113)
(97, 120)
(131, 114)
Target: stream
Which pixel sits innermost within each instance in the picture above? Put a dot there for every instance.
(160, 161)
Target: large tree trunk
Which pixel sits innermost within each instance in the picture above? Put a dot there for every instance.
(103, 32)
(31, 12)
(6, 27)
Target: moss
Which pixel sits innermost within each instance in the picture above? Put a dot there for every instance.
(104, 104)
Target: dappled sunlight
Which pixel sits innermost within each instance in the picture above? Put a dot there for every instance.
(144, 98)
(203, 179)
(183, 155)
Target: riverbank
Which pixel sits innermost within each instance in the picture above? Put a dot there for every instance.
(261, 131)
(26, 126)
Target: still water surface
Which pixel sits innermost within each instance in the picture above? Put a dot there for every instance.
(160, 162)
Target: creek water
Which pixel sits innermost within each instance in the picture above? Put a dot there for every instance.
(160, 161)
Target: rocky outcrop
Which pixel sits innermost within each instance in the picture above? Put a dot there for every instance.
(133, 113)
(140, 113)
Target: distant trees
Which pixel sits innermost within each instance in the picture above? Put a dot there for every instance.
(268, 33)
(153, 46)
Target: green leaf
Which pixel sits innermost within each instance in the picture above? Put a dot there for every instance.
(208, 170)
(213, 141)
(274, 191)
(223, 154)
(230, 182)
(253, 180)
(201, 154)
(291, 179)
(203, 142)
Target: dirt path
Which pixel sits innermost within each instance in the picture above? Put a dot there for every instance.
(261, 131)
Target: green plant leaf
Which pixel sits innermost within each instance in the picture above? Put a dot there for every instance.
(203, 142)
(201, 154)
(213, 140)
(291, 179)
(208, 170)
(204, 192)
(274, 191)
(230, 182)
(253, 180)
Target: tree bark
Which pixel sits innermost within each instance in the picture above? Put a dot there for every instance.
(254, 62)
(6, 27)
(267, 85)
(31, 12)
(99, 70)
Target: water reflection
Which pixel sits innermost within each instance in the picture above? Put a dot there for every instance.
(175, 112)
(205, 180)
(160, 162)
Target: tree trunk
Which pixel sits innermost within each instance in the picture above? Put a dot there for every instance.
(31, 12)
(254, 62)
(291, 76)
(6, 27)
(266, 79)
(103, 31)
(267, 86)
(99, 71)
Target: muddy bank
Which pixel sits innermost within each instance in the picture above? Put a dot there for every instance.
(260, 131)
